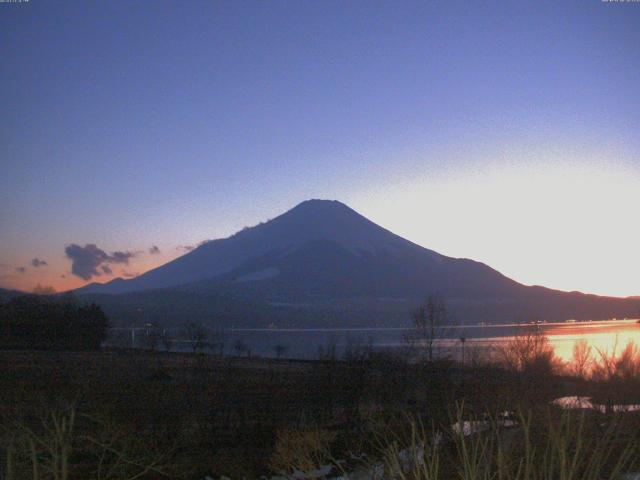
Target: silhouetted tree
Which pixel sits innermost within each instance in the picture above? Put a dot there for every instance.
(167, 341)
(152, 338)
(241, 347)
(428, 321)
(217, 340)
(196, 335)
(582, 358)
(280, 350)
(45, 323)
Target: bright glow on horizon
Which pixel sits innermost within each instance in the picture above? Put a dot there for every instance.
(502, 132)
(560, 225)
(569, 226)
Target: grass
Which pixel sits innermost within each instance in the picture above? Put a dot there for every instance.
(124, 415)
(61, 446)
(538, 446)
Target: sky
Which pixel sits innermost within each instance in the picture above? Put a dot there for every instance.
(503, 131)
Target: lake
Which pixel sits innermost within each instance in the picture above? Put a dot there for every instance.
(305, 343)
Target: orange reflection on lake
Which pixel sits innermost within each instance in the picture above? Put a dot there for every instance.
(603, 336)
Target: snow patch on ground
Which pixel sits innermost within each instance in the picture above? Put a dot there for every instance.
(585, 403)
(263, 274)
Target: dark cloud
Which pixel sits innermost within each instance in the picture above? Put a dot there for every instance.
(106, 269)
(21, 269)
(86, 261)
(185, 248)
(44, 290)
(63, 276)
(154, 250)
(121, 257)
(36, 262)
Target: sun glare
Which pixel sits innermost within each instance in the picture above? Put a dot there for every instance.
(565, 226)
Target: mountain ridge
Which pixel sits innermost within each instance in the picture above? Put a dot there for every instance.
(323, 256)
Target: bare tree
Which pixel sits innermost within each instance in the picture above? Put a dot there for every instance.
(217, 341)
(463, 341)
(358, 349)
(328, 352)
(529, 352)
(428, 322)
(582, 359)
(152, 337)
(196, 335)
(240, 347)
(280, 349)
(166, 340)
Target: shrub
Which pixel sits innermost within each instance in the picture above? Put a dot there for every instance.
(46, 323)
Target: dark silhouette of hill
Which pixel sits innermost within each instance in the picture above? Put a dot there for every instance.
(330, 265)
(7, 294)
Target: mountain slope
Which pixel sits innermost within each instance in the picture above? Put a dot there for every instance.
(326, 242)
(6, 294)
(321, 263)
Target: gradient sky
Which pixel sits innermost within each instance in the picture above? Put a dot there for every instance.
(507, 131)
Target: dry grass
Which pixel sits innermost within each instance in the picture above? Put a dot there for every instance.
(545, 446)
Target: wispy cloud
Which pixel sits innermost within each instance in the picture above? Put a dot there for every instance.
(154, 250)
(37, 263)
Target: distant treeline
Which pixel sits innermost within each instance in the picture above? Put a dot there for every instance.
(50, 323)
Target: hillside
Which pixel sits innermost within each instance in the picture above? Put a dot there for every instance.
(332, 266)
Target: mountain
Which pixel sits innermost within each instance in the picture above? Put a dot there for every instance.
(6, 295)
(324, 262)
(336, 250)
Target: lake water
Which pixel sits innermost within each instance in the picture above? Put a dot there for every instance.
(305, 343)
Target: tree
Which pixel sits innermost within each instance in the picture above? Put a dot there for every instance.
(280, 350)
(530, 353)
(217, 341)
(196, 335)
(463, 341)
(428, 322)
(152, 338)
(582, 359)
(167, 341)
(44, 323)
(240, 347)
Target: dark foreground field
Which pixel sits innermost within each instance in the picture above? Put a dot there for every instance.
(134, 414)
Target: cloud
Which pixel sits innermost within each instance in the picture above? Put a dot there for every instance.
(121, 257)
(44, 290)
(185, 248)
(154, 250)
(88, 261)
(37, 263)
(106, 269)
(126, 274)
(21, 269)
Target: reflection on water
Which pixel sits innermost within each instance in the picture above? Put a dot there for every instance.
(602, 336)
(305, 343)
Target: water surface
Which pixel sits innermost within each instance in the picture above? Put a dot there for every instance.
(306, 343)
